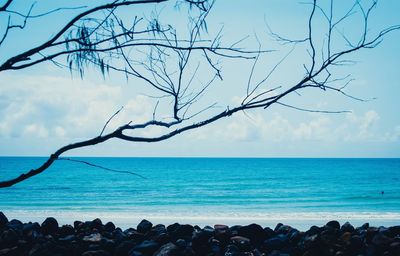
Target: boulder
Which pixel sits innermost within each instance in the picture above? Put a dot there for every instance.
(49, 226)
(144, 226)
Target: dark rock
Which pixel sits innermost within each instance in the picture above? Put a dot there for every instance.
(313, 231)
(14, 251)
(177, 231)
(243, 243)
(181, 243)
(135, 253)
(78, 224)
(283, 229)
(15, 224)
(144, 226)
(232, 250)
(147, 247)
(168, 249)
(381, 240)
(216, 247)
(109, 227)
(96, 253)
(97, 224)
(9, 238)
(333, 224)
(278, 226)
(312, 242)
(3, 220)
(329, 235)
(254, 232)
(28, 228)
(123, 248)
(295, 236)
(199, 241)
(68, 238)
(356, 244)
(275, 243)
(49, 226)
(234, 230)
(365, 226)
(134, 236)
(347, 227)
(66, 230)
(222, 233)
(158, 234)
(394, 248)
(118, 235)
(269, 232)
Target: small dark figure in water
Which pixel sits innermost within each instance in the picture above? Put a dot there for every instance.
(382, 192)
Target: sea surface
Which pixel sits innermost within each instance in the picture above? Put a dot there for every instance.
(206, 191)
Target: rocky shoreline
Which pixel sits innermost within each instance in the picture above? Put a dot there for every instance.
(94, 238)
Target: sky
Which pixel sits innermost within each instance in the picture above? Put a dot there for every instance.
(45, 107)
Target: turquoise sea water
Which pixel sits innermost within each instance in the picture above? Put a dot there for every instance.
(207, 190)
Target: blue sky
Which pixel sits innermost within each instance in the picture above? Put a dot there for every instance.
(43, 107)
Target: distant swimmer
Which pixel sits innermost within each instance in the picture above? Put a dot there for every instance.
(382, 192)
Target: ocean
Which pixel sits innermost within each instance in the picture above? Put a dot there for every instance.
(206, 191)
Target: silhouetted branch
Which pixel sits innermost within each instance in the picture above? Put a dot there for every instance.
(100, 167)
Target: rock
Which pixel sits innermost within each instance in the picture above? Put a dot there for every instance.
(78, 224)
(15, 224)
(312, 242)
(278, 226)
(232, 250)
(14, 251)
(200, 241)
(28, 228)
(68, 238)
(347, 227)
(269, 232)
(333, 224)
(109, 227)
(168, 249)
(9, 238)
(345, 237)
(49, 226)
(181, 243)
(295, 236)
(356, 244)
(215, 245)
(394, 248)
(144, 226)
(92, 238)
(381, 240)
(123, 248)
(234, 230)
(96, 253)
(313, 231)
(243, 243)
(275, 243)
(177, 231)
(158, 234)
(147, 247)
(365, 226)
(96, 224)
(66, 230)
(254, 232)
(222, 233)
(135, 236)
(3, 220)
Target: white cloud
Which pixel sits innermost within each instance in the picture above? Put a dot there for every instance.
(48, 106)
(318, 127)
